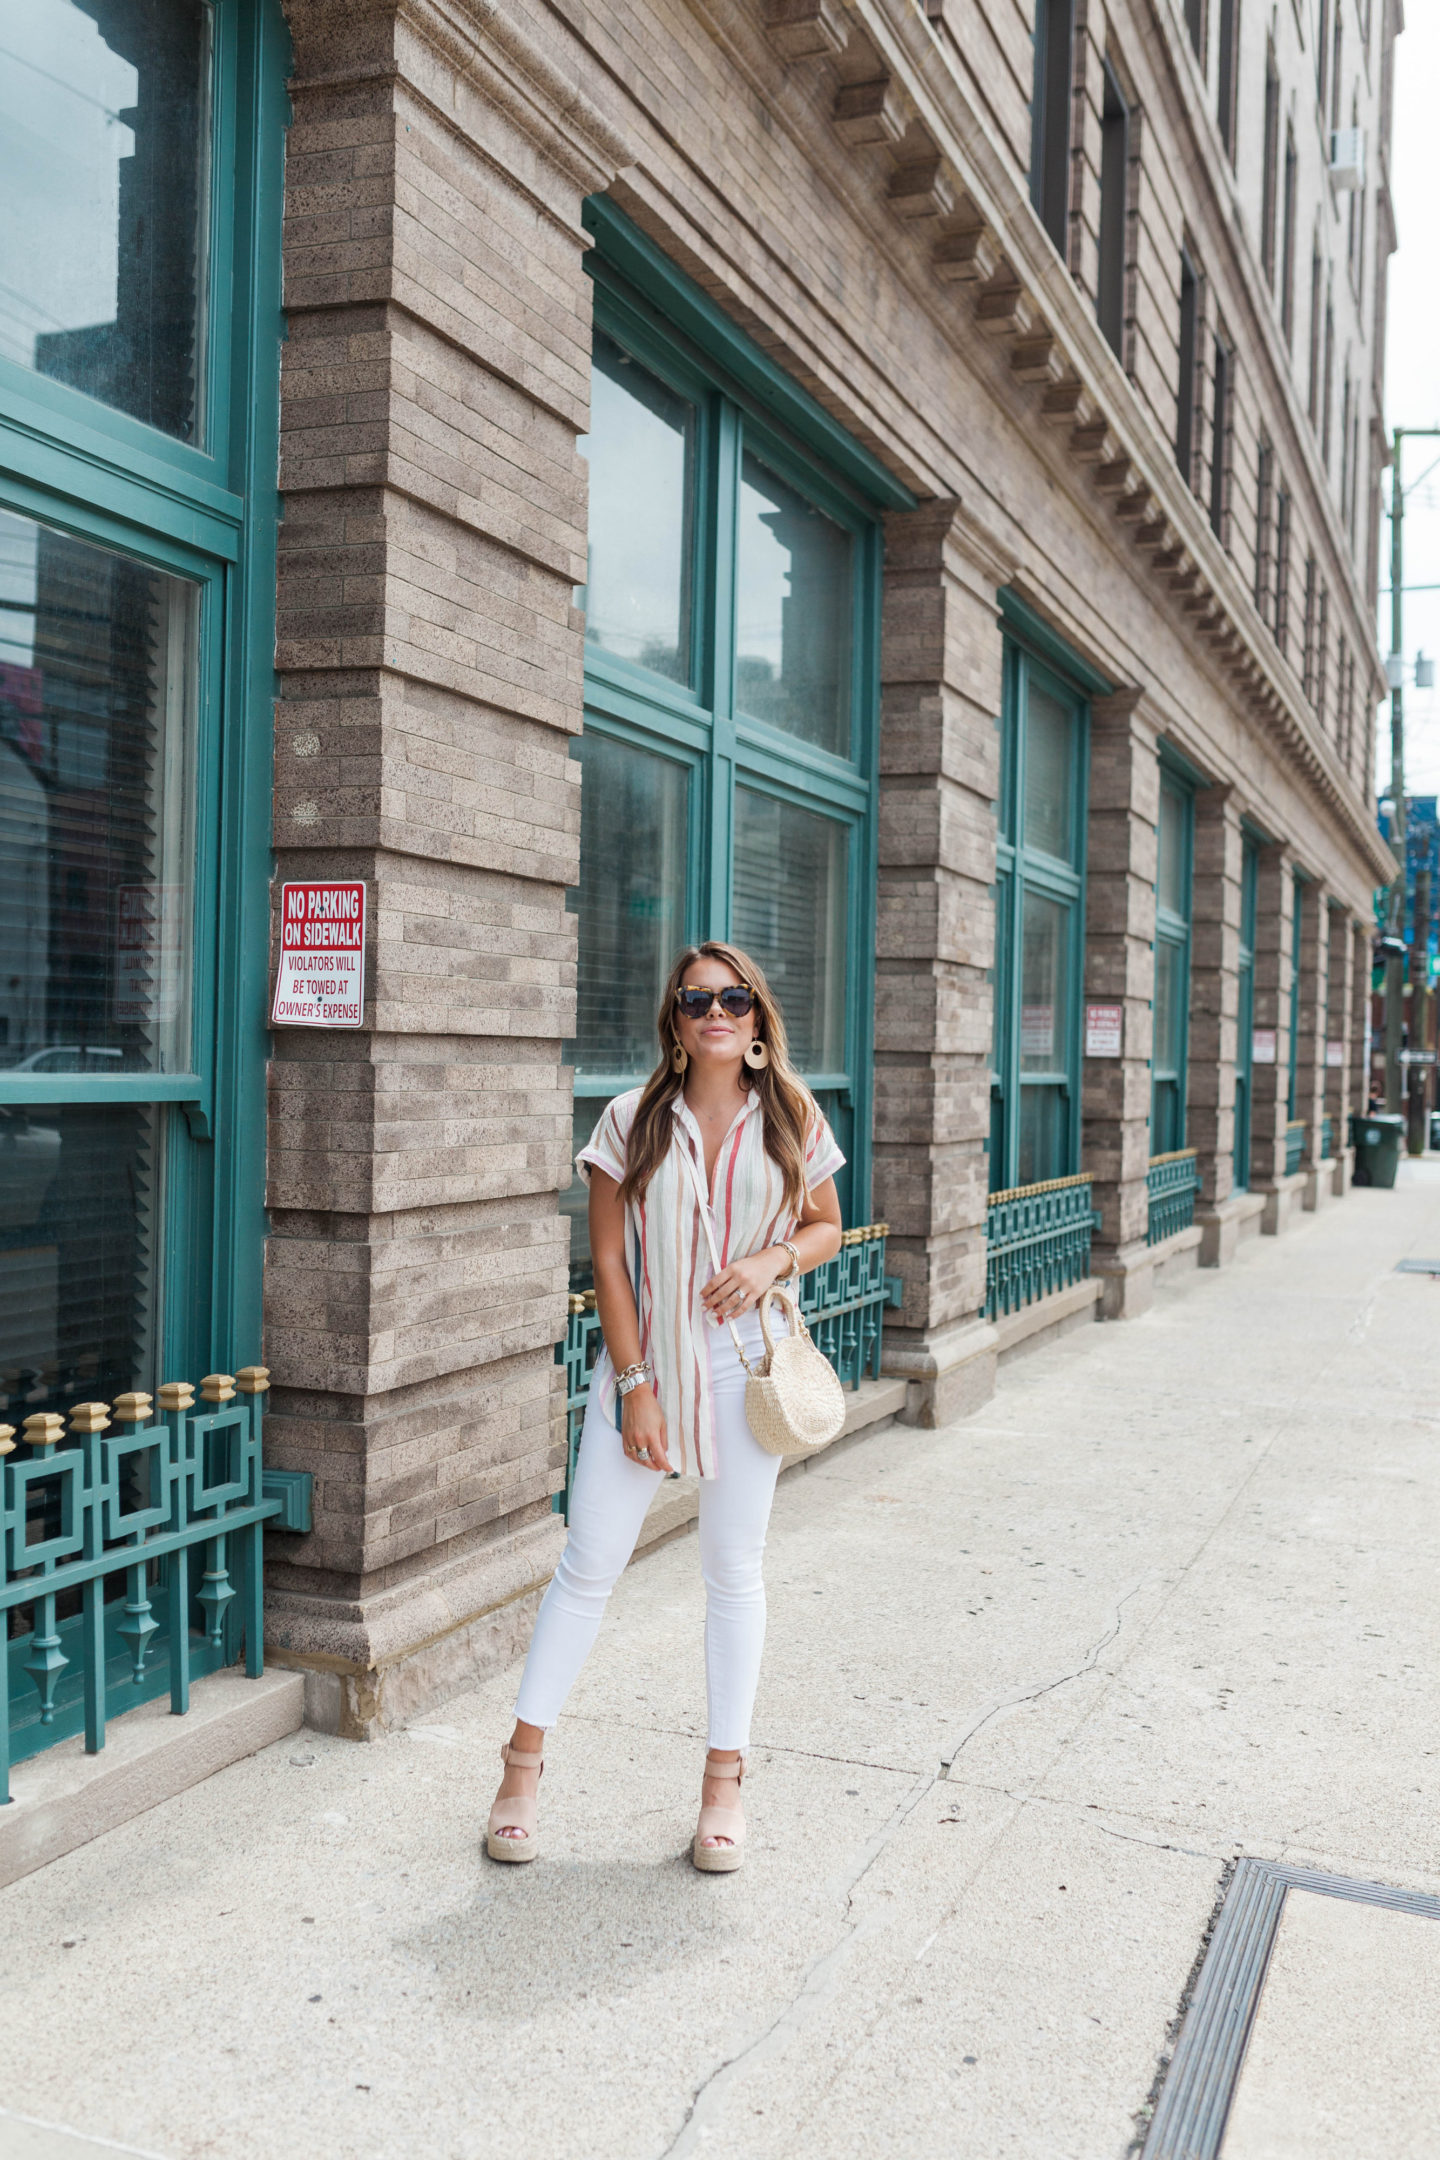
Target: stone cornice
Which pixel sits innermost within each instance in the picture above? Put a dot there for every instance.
(939, 169)
(484, 45)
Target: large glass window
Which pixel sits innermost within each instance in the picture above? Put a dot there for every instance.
(1034, 1081)
(728, 753)
(790, 910)
(105, 130)
(793, 616)
(1171, 1006)
(98, 695)
(641, 453)
(140, 166)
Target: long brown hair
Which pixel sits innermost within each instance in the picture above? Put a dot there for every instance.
(784, 1098)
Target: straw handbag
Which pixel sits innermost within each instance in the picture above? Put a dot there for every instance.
(794, 1401)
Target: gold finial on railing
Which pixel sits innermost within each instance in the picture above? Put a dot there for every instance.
(253, 1379)
(7, 1439)
(133, 1409)
(218, 1387)
(45, 1429)
(177, 1395)
(90, 1417)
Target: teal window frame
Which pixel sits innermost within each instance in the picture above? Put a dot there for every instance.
(1021, 868)
(209, 513)
(1245, 1013)
(742, 400)
(1297, 926)
(1168, 1084)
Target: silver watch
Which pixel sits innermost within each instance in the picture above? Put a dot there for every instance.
(633, 1376)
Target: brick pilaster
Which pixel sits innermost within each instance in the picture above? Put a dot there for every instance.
(934, 1001)
(435, 380)
(1310, 1048)
(1270, 1081)
(1120, 969)
(1214, 994)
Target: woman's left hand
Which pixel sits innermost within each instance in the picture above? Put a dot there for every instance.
(738, 1288)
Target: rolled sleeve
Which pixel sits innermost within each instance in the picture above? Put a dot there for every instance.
(822, 1153)
(605, 1149)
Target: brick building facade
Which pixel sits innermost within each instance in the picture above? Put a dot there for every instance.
(1048, 349)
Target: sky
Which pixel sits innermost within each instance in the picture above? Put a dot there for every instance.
(1412, 383)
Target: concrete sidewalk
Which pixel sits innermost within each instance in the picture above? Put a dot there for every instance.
(1033, 1682)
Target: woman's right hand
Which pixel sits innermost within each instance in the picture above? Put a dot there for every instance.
(642, 1428)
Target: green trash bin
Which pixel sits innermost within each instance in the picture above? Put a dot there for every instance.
(1377, 1140)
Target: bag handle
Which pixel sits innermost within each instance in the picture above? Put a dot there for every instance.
(782, 1295)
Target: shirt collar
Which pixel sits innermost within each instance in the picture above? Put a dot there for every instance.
(687, 1118)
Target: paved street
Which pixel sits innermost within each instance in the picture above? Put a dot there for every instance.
(1032, 1682)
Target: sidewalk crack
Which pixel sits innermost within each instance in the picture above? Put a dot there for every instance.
(1018, 1696)
(819, 1976)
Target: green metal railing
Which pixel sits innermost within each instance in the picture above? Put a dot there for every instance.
(1037, 1239)
(1294, 1145)
(1172, 1182)
(1327, 1138)
(101, 1528)
(844, 1303)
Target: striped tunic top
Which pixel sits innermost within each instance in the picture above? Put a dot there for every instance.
(669, 1257)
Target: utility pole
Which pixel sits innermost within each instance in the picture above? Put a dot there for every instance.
(1395, 911)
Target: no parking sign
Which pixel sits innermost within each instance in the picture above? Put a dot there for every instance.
(321, 978)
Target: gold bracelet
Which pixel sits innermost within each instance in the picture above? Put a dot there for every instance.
(794, 1268)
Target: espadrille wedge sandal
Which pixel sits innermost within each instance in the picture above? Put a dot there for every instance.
(726, 1822)
(516, 1814)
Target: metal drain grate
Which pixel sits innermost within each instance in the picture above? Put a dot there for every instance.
(1190, 2115)
(1417, 1267)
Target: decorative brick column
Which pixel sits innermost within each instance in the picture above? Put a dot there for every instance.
(934, 999)
(1310, 1047)
(434, 383)
(1120, 970)
(1362, 1049)
(1270, 1080)
(1214, 1020)
(1340, 1068)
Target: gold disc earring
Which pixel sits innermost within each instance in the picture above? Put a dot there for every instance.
(757, 1054)
(679, 1057)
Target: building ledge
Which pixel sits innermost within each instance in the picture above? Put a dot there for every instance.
(64, 1797)
(1048, 1316)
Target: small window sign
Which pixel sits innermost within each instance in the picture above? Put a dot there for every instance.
(1334, 1051)
(1262, 1046)
(320, 981)
(1104, 1031)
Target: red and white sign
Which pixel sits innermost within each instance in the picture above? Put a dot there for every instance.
(1262, 1047)
(1104, 1030)
(321, 978)
(1334, 1052)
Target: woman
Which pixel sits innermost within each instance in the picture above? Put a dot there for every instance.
(724, 1114)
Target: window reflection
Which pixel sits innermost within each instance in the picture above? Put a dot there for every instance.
(98, 668)
(1169, 967)
(1171, 872)
(80, 1215)
(793, 612)
(790, 912)
(1044, 984)
(641, 450)
(630, 900)
(104, 188)
(1048, 763)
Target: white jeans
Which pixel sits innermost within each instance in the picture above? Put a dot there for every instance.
(607, 1506)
